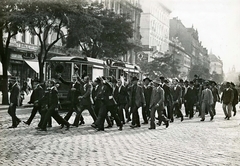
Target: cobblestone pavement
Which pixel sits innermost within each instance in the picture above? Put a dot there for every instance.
(190, 142)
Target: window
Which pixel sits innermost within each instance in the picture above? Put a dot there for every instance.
(32, 37)
(24, 36)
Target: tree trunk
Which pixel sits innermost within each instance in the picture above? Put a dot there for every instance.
(5, 85)
(41, 74)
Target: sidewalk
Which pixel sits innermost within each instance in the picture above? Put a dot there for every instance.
(25, 101)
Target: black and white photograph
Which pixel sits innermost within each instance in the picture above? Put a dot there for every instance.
(120, 82)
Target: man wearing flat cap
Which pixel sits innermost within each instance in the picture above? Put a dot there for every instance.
(137, 100)
(147, 93)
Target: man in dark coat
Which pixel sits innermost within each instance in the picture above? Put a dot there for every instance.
(37, 94)
(235, 98)
(147, 89)
(52, 107)
(75, 91)
(14, 102)
(190, 98)
(177, 96)
(227, 100)
(216, 97)
(121, 100)
(85, 99)
(96, 90)
(105, 97)
(137, 100)
(168, 99)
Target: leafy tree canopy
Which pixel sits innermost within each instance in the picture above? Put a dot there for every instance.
(101, 33)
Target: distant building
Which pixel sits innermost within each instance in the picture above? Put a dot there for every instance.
(182, 58)
(133, 9)
(216, 64)
(154, 26)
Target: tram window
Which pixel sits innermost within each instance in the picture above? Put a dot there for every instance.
(113, 72)
(84, 71)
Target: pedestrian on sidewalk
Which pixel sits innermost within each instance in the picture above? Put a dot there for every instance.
(207, 102)
(14, 102)
(227, 100)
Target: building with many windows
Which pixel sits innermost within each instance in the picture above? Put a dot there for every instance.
(216, 64)
(154, 26)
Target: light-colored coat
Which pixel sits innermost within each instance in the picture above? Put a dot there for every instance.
(157, 97)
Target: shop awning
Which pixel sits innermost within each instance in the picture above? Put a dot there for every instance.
(34, 65)
(1, 70)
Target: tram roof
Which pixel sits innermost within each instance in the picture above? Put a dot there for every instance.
(68, 58)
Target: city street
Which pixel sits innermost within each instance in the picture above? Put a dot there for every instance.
(190, 142)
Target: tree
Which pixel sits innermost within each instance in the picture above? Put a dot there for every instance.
(45, 17)
(217, 77)
(103, 33)
(163, 65)
(10, 25)
(199, 70)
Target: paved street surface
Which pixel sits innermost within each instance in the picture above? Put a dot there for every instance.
(190, 142)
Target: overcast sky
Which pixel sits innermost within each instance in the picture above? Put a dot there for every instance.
(218, 25)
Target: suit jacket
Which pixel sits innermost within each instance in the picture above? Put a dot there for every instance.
(106, 95)
(37, 94)
(157, 97)
(215, 94)
(122, 95)
(235, 98)
(167, 95)
(207, 96)
(73, 94)
(86, 94)
(15, 94)
(139, 96)
(147, 93)
(177, 93)
(95, 92)
(227, 96)
(191, 95)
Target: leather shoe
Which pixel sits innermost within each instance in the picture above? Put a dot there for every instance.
(82, 122)
(26, 123)
(94, 126)
(68, 126)
(167, 123)
(10, 127)
(108, 126)
(202, 120)
(145, 123)
(43, 129)
(234, 113)
(120, 127)
(181, 118)
(62, 125)
(226, 117)
(128, 120)
(211, 118)
(98, 129)
(151, 128)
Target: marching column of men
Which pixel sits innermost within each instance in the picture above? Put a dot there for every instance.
(107, 96)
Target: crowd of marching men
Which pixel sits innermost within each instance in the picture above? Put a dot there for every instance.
(108, 99)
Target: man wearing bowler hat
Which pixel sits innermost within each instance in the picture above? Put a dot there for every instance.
(147, 89)
(137, 100)
(157, 104)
